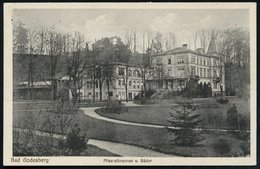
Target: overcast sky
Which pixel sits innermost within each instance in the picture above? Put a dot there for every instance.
(98, 23)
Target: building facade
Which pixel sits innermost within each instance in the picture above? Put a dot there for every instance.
(177, 66)
(117, 87)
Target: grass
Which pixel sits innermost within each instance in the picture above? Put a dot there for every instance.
(153, 138)
(159, 114)
(53, 150)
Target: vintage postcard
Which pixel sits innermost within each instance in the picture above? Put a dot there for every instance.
(129, 84)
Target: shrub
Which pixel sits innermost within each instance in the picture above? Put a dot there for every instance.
(222, 146)
(114, 107)
(232, 117)
(75, 142)
(222, 100)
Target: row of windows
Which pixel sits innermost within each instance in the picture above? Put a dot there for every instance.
(200, 61)
(202, 72)
(135, 85)
(131, 73)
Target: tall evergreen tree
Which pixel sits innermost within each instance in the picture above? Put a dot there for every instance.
(186, 120)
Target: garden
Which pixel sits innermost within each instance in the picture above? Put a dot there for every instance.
(67, 119)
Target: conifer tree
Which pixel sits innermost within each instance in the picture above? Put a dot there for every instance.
(184, 118)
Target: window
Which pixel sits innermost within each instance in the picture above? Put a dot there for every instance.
(205, 72)
(119, 82)
(138, 73)
(134, 73)
(200, 72)
(96, 94)
(89, 85)
(209, 74)
(130, 83)
(204, 62)
(121, 71)
(111, 94)
(169, 71)
(193, 60)
(123, 82)
(130, 72)
(180, 60)
(180, 71)
(214, 73)
(215, 62)
(169, 61)
(138, 84)
(200, 61)
(134, 84)
(193, 73)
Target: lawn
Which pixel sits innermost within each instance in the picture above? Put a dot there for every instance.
(212, 117)
(154, 138)
(19, 148)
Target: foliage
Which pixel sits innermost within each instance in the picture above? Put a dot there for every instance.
(75, 142)
(194, 89)
(184, 118)
(222, 146)
(114, 107)
(238, 122)
(232, 117)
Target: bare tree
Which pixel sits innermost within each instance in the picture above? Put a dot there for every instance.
(75, 65)
(203, 38)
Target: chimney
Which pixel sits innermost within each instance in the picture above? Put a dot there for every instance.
(185, 46)
(200, 50)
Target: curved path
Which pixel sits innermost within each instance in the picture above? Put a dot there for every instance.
(90, 111)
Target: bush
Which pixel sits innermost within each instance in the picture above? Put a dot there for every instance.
(141, 96)
(232, 117)
(222, 100)
(75, 142)
(222, 146)
(114, 107)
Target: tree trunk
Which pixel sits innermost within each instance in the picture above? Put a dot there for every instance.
(108, 90)
(126, 84)
(94, 84)
(100, 89)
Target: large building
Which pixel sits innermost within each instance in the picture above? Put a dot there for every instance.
(175, 67)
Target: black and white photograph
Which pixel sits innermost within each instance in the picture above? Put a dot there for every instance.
(130, 84)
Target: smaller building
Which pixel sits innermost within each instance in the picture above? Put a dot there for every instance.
(41, 90)
(117, 86)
